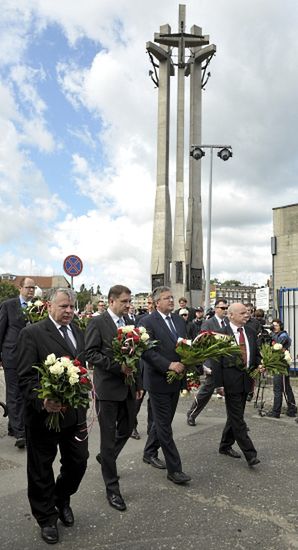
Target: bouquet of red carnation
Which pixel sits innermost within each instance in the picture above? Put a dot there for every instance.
(64, 380)
(207, 345)
(128, 347)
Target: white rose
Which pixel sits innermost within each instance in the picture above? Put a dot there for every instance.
(29, 304)
(145, 336)
(288, 357)
(65, 361)
(142, 330)
(73, 379)
(72, 370)
(277, 346)
(57, 368)
(50, 360)
(127, 328)
(38, 303)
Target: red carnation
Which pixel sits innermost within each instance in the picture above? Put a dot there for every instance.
(77, 363)
(82, 370)
(84, 380)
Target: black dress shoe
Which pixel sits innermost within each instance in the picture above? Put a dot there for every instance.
(190, 421)
(253, 461)
(49, 533)
(230, 452)
(135, 434)
(116, 501)
(155, 462)
(178, 477)
(66, 515)
(20, 443)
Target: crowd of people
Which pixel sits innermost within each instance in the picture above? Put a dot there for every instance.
(24, 345)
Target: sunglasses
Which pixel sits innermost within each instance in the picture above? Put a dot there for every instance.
(221, 307)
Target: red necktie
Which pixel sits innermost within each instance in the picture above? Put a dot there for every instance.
(242, 345)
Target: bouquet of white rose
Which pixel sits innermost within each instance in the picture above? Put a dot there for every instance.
(35, 311)
(275, 360)
(66, 381)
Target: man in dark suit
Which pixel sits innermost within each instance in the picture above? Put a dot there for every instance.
(116, 399)
(232, 374)
(12, 321)
(164, 327)
(214, 324)
(49, 500)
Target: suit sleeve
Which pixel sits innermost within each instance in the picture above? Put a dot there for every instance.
(152, 356)
(3, 323)
(98, 353)
(28, 357)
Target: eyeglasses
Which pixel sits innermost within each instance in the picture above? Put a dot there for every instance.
(221, 307)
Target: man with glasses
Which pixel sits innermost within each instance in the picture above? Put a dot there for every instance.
(164, 327)
(12, 321)
(214, 324)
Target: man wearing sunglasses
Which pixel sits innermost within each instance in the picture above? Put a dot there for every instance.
(214, 324)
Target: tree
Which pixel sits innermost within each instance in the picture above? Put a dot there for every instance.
(83, 297)
(232, 282)
(7, 290)
(215, 281)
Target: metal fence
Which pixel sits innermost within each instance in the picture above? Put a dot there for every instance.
(288, 313)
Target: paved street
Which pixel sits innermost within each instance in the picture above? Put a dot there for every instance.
(226, 506)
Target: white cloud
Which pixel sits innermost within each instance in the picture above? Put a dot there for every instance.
(249, 103)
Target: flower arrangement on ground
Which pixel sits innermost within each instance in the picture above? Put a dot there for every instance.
(192, 381)
(35, 311)
(128, 346)
(65, 380)
(207, 345)
(275, 360)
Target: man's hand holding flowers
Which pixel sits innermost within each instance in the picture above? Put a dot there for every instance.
(177, 367)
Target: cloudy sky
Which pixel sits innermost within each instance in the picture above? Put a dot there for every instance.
(78, 116)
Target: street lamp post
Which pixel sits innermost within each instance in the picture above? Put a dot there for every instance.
(197, 152)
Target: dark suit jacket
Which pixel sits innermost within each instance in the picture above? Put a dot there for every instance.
(211, 324)
(109, 381)
(230, 372)
(158, 359)
(12, 321)
(35, 343)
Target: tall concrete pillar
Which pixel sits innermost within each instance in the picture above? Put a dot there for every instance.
(187, 263)
(162, 226)
(178, 258)
(194, 235)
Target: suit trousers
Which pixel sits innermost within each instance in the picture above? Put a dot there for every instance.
(202, 398)
(149, 412)
(116, 422)
(43, 492)
(15, 403)
(163, 407)
(235, 428)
